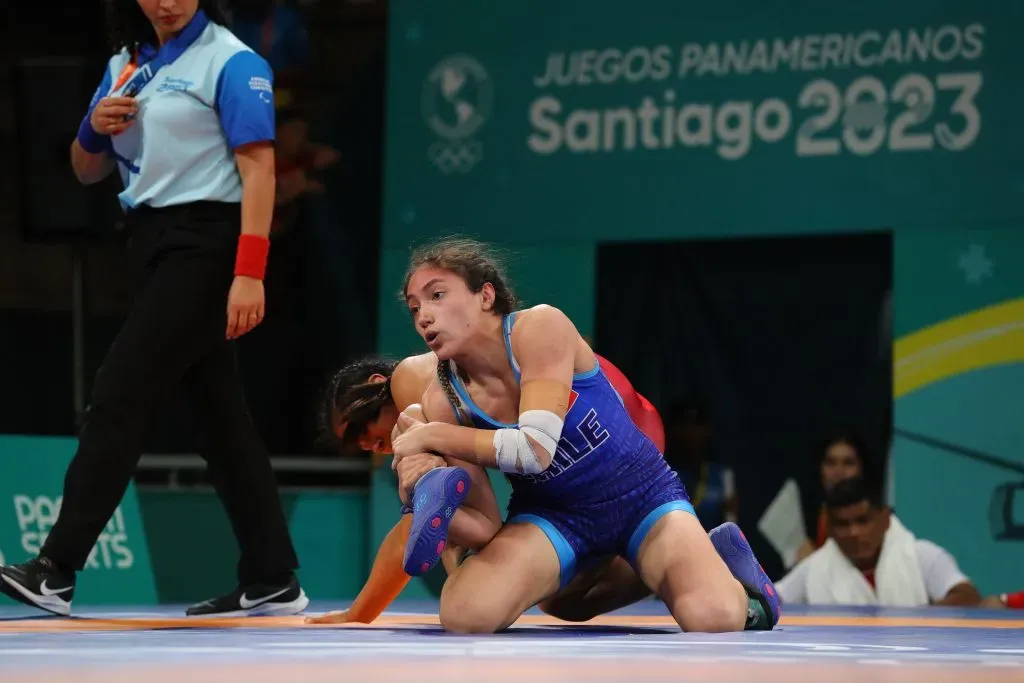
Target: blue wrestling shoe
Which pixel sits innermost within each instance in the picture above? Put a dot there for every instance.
(438, 494)
(732, 546)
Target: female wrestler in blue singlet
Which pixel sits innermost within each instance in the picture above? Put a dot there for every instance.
(586, 481)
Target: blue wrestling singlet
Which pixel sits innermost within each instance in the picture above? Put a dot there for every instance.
(607, 484)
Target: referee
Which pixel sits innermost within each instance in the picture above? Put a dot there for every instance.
(186, 114)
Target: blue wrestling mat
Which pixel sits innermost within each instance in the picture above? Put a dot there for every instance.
(642, 643)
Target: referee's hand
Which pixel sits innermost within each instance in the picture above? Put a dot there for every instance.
(112, 115)
(246, 306)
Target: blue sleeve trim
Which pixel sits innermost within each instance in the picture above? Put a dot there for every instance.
(245, 99)
(91, 141)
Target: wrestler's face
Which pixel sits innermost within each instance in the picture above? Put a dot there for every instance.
(841, 462)
(444, 310)
(859, 530)
(169, 16)
(376, 436)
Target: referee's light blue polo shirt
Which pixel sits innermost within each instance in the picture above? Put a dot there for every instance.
(211, 95)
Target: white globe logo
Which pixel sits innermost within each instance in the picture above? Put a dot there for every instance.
(457, 97)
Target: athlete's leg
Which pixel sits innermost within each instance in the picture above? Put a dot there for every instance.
(611, 585)
(711, 587)
(454, 502)
(491, 589)
(731, 545)
(676, 559)
(478, 517)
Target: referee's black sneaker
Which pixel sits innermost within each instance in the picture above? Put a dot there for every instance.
(255, 600)
(39, 583)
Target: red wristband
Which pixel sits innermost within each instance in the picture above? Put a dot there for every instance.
(251, 259)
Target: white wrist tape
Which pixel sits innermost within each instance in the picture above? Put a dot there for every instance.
(515, 453)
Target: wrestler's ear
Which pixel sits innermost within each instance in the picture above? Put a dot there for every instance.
(487, 297)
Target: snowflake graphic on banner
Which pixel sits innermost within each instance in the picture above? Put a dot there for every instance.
(975, 264)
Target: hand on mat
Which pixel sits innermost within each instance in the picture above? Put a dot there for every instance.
(411, 469)
(341, 617)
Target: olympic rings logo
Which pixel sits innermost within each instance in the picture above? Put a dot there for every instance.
(455, 157)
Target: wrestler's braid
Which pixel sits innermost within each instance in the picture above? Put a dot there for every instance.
(444, 379)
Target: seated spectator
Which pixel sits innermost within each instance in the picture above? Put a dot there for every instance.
(842, 458)
(872, 559)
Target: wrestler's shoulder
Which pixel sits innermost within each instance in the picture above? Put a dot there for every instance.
(540, 311)
(424, 364)
(543, 317)
(411, 378)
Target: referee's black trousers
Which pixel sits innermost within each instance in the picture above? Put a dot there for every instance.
(175, 333)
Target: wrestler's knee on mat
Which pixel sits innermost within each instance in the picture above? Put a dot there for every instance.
(704, 612)
(678, 561)
(471, 612)
(516, 570)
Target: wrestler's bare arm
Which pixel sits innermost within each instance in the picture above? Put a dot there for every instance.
(481, 505)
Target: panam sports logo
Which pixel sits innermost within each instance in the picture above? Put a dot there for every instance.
(36, 515)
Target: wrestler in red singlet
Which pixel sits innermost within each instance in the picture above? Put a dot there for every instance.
(644, 415)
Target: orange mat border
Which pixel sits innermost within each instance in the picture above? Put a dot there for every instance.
(57, 624)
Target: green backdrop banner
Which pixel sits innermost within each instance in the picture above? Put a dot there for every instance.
(195, 553)
(957, 460)
(173, 546)
(543, 127)
(118, 570)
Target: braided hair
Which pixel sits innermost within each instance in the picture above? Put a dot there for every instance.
(444, 379)
(351, 399)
